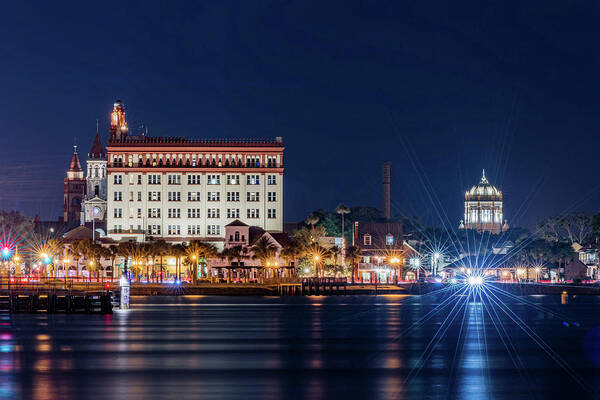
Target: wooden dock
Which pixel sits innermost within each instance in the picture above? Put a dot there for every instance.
(51, 302)
(314, 286)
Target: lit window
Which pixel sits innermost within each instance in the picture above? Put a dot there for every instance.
(389, 239)
(367, 240)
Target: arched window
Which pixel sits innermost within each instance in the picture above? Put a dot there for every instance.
(237, 236)
(96, 172)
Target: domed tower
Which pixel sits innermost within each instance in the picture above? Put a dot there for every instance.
(118, 124)
(483, 208)
(74, 189)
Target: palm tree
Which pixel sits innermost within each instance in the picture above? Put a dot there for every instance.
(75, 252)
(354, 256)
(290, 253)
(178, 250)
(311, 220)
(112, 252)
(192, 251)
(161, 249)
(333, 254)
(264, 251)
(206, 252)
(343, 210)
(128, 250)
(234, 253)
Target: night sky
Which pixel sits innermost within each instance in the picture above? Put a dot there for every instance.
(440, 90)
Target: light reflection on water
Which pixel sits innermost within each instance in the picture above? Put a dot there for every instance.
(310, 347)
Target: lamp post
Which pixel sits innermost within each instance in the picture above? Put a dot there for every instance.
(436, 258)
(316, 261)
(95, 211)
(394, 261)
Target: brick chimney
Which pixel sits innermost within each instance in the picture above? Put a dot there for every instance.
(385, 189)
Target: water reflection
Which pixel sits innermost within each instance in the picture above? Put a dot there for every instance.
(311, 347)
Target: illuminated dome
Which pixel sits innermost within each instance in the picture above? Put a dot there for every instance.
(483, 208)
(483, 191)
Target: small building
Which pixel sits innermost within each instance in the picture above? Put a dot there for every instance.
(589, 256)
(575, 270)
(246, 266)
(385, 257)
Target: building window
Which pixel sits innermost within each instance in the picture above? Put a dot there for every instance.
(193, 229)
(139, 213)
(271, 179)
(271, 196)
(118, 196)
(117, 179)
(153, 196)
(367, 240)
(139, 179)
(174, 230)
(174, 213)
(233, 213)
(174, 196)
(193, 196)
(193, 179)
(213, 230)
(252, 196)
(214, 196)
(271, 213)
(389, 239)
(118, 228)
(117, 213)
(213, 213)
(153, 229)
(233, 179)
(233, 196)
(154, 213)
(154, 179)
(174, 179)
(139, 196)
(252, 212)
(193, 213)
(253, 179)
(214, 180)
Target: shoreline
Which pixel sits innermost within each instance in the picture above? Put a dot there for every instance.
(352, 290)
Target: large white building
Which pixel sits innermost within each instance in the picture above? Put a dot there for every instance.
(179, 189)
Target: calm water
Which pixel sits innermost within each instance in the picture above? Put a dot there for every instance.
(308, 348)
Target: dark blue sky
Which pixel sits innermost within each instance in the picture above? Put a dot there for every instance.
(441, 91)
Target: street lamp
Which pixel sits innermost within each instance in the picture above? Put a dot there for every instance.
(95, 211)
(436, 259)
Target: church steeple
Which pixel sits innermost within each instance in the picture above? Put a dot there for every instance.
(74, 189)
(75, 171)
(97, 151)
(118, 124)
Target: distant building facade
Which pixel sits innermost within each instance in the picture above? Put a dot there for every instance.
(483, 208)
(179, 189)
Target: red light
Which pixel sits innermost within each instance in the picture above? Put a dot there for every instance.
(107, 286)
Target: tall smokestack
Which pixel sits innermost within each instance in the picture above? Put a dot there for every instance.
(385, 189)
